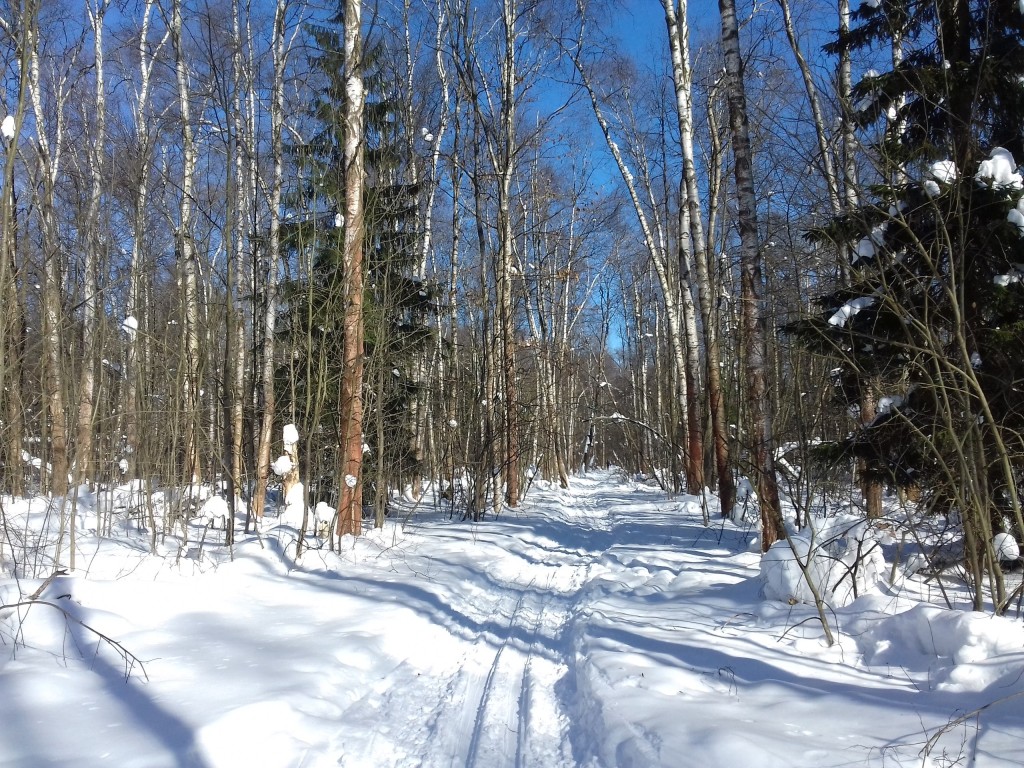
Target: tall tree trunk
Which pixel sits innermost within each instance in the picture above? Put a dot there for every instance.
(187, 257)
(273, 257)
(350, 506)
(759, 417)
(12, 318)
(239, 207)
(91, 249)
(53, 341)
(504, 162)
(678, 33)
(134, 321)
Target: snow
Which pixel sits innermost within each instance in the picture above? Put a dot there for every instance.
(868, 247)
(999, 171)
(130, 326)
(7, 127)
(282, 465)
(290, 435)
(849, 309)
(1005, 546)
(600, 626)
(944, 171)
(1016, 217)
(843, 558)
(1015, 275)
(888, 402)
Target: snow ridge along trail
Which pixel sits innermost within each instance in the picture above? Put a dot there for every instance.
(601, 627)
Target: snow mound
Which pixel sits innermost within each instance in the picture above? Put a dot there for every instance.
(958, 649)
(844, 560)
(282, 466)
(290, 435)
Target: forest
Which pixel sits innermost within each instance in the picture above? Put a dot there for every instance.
(354, 255)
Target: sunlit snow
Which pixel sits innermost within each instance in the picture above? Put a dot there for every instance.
(849, 309)
(601, 626)
(943, 171)
(999, 171)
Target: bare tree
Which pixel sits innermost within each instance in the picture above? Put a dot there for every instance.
(19, 31)
(350, 506)
(272, 256)
(186, 254)
(92, 246)
(759, 417)
(692, 241)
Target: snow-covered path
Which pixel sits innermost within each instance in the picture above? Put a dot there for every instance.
(601, 627)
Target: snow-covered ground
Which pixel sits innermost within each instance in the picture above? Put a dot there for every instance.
(601, 626)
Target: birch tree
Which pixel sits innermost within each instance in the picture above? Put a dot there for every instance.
(186, 254)
(92, 245)
(19, 31)
(693, 243)
(350, 507)
(759, 418)
(272, 257)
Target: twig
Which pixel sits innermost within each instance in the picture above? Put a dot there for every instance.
(933, 740)
(129, 658)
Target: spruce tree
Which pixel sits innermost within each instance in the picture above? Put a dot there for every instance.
(397, 304)
(933, 318)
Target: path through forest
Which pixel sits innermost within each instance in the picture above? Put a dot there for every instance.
(604, 627)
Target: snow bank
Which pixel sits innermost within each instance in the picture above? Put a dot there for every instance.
(844, 559)
(961, 651)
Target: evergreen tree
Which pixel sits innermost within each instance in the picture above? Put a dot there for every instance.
(397, 304)
(933, 319)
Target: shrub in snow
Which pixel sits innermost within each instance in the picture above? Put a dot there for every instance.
(845, 562)
(323, 515)
(746, 510)
(215, 511)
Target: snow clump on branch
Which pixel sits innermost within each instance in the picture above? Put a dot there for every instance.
(849, 309)
(999, 171)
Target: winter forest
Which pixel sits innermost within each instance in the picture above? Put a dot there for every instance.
(343, 263)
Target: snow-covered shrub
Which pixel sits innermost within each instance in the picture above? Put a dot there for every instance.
(844, 559)
(214, 512)
(746, 509)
